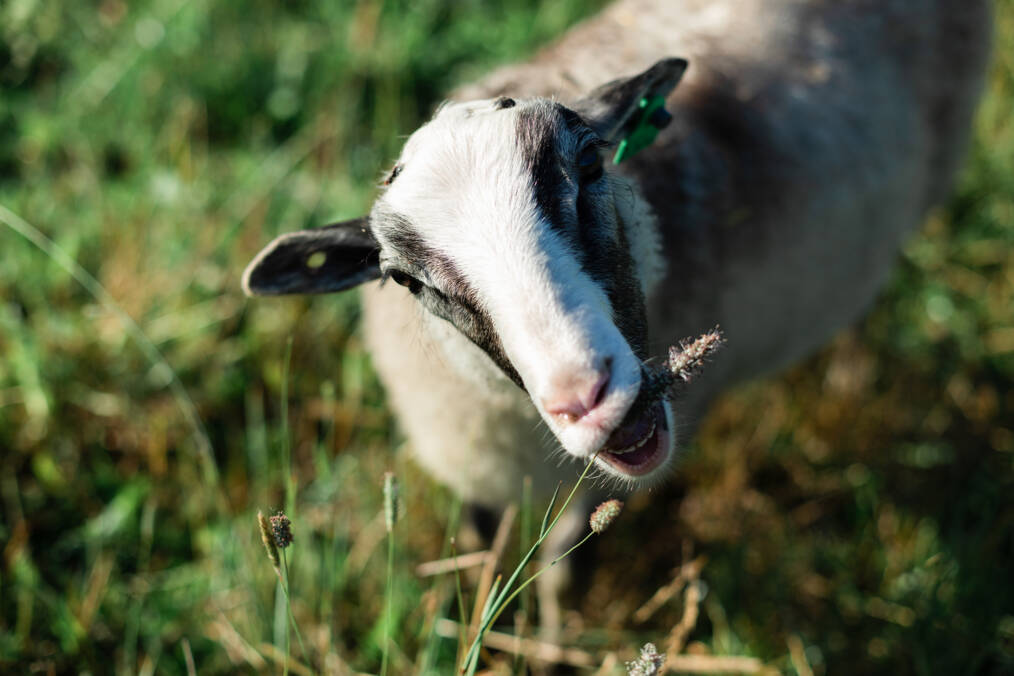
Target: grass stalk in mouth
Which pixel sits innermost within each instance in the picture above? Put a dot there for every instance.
(500, 598)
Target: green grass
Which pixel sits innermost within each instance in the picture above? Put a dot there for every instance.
(861, 502)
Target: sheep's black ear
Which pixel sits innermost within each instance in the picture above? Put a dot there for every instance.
(611, 108)
(322, 260)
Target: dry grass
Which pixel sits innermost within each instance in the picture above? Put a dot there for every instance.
(852, 513)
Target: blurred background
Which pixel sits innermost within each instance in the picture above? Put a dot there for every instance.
(854, 515)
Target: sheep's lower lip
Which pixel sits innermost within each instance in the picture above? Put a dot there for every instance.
(640, 447)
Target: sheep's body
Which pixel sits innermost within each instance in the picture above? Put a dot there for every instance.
(808, 139)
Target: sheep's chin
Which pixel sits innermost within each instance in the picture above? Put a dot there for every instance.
(648, 447)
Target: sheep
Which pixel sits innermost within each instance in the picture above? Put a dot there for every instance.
(533, 278)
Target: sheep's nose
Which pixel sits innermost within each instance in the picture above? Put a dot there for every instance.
(575, 393)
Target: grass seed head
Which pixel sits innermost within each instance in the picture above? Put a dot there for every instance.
(268, 538)
(687, 359)
(390, 500)
(605, 514)
(648, 664)
(281, 529)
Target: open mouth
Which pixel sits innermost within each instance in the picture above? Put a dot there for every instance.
(642, 446)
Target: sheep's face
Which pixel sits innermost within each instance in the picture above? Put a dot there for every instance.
(501, 218)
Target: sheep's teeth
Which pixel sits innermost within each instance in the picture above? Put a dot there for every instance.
(647, 436)
(637, 445)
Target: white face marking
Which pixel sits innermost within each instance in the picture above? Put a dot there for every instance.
(466, 188)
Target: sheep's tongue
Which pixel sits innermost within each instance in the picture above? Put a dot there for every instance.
(631, 433)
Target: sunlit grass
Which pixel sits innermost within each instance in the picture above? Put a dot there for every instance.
(855, 511)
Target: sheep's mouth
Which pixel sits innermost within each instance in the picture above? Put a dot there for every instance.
(642, 445)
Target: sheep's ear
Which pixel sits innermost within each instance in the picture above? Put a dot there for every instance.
(611, 108)
(322, 260)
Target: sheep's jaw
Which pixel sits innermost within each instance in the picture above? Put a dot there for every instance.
(642, 448)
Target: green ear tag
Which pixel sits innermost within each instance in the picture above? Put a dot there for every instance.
(651, 118)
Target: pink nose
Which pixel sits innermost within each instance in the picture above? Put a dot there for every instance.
(575, 394)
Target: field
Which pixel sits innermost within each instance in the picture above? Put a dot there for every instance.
(853, 515)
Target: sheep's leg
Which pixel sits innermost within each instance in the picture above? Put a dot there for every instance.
(480, 526)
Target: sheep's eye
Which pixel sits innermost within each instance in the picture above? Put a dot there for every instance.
(406, 280)
(589, 164)
(393, 175)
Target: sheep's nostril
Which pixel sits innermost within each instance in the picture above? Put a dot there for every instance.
(576, 396)
(567, 409)
(602, 385)
(568, 416)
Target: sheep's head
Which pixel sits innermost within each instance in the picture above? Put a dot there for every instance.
(501, 218)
